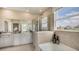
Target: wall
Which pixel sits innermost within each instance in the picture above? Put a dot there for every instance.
(69, 38)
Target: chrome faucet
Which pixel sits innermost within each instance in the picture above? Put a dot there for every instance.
(55, 39)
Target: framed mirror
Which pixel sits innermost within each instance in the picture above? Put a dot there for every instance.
(15, 27)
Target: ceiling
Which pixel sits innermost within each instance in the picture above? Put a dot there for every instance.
(32, 10)
(56, 8)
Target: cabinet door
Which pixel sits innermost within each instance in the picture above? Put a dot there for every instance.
(2, 43)
(6, 41)
(26, 38)
(17, 39)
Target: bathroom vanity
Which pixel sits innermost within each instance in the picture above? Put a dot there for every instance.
(12, 39)
(15, 32)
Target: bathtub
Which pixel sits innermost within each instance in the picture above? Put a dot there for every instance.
(49, 46)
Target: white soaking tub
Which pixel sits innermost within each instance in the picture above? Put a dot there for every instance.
(49, 46)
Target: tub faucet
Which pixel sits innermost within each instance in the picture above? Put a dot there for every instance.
(55, 39)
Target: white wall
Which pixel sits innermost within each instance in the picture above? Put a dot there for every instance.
(70, 39)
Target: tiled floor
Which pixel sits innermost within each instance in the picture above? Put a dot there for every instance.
(28, 47)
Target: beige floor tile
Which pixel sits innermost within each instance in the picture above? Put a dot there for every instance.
(27, 47)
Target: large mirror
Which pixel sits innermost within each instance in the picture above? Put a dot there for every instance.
(16, 27)
(22, 26)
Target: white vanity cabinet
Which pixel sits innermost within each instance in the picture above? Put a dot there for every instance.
(22, 38)
(26, 38)
(6, 40)
(11, 39)
(17, 39)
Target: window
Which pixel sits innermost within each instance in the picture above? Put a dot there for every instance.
(67, 18)
(45, 23)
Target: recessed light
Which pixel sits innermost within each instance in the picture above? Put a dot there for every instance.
(40, 10)
(27, 10)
